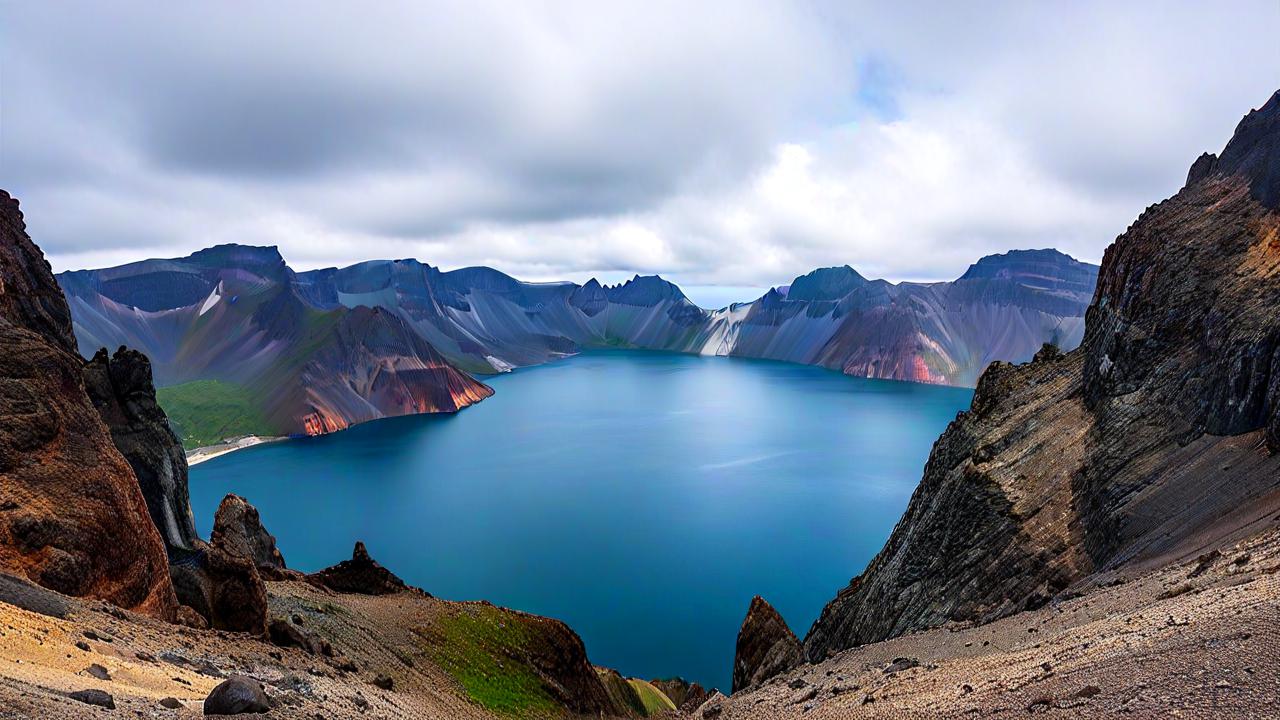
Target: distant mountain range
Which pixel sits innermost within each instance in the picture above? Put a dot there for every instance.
(281, 352)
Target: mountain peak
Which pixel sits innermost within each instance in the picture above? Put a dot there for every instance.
(645, 290)
(234, 255)
(1254, 152)
(1044, 262)
(830, 283)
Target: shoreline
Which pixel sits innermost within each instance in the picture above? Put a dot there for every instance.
(209, 452)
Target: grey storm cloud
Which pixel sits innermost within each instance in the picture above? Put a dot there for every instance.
(721, 142)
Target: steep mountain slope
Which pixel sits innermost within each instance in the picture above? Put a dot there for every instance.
(237, 315)
(1003, 308)
(1153, 441)
(72, 516)
(319, 350)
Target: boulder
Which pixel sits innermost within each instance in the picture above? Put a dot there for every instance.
(766, 646)
(101, 698)
(235, 695)
(283, 633)
(361, 574)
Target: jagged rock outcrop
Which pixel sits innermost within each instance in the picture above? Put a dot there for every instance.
(238, 529)
(361, 574)
(121, 389)
(72, 516)
(766, 647)
(1149, 441)
(223, 580)
(687, 696)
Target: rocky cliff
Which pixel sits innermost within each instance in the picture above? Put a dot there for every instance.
(72, 515)
(1150, 442)
(121, 389)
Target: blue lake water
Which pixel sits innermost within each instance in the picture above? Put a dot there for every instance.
(641, 497)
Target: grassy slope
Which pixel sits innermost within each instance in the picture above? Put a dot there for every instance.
(204, 412)
(479, 646)
(655, 701)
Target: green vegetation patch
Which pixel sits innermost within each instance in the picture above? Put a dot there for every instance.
(655, 701)
(482, 648)
(205, 412)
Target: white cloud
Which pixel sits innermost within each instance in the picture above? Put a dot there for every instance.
(716, 143)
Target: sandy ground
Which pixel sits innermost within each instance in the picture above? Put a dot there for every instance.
(209, 452)
(1170, 643)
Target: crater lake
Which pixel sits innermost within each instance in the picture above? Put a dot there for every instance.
(641, 497)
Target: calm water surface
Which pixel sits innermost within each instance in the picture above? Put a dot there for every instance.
(641, 497)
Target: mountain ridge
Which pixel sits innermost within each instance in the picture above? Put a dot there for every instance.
(239, 314)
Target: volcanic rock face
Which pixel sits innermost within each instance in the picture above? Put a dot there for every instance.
(238, 529)
(121, 389)
(223, 580)
(361, 574)
(237, 595)
(1149, 441)
(766, 646)
(72, 517)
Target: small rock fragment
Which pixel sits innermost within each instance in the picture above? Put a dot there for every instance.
(1088, 691)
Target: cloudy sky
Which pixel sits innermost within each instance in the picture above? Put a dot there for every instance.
(727, 146)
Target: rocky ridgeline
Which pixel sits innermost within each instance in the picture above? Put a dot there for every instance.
(1151, 442)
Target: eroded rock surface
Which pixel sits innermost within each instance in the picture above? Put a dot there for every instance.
(121, 388)
(72, 516)
(238, 529)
